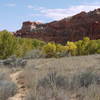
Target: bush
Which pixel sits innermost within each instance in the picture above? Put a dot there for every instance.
(23, 46)
(34, 54)
(50, 50)
(98, 46)
(81, 47)
(7, 89)
(83, 85)
(49, 87)
(54, 50)
(4, 76)
(37, 43)
(14, 62)
(47, 94)
(71, 47)
(87, 46)
(92, 47)
(7, 44)
(61, 50)
(74, 81)
(83, 79)
(91, 93)
(53, 79)
(11, 45)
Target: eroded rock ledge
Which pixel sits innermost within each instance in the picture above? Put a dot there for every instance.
(67, 29)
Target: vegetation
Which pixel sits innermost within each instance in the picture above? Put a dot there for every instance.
(48, 79)
(53, 82)
(11, 45)
(7, 87)
(87, 46)
(74, 78)
(81, 47)
(7, 44)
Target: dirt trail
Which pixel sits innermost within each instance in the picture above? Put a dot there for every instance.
(21, 87)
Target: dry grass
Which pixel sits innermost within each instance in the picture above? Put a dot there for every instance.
(74, 75)
(7, 87)
(68, 78)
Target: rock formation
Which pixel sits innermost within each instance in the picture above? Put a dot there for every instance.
(67, 29)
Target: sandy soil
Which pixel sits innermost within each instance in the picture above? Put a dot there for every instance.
(21, 88)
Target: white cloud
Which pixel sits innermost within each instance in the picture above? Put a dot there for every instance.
(11, 5)
(57, 14)
(35, 8)
(30, 7)
(61, 13)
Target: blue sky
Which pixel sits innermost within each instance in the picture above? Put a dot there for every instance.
(14, 12)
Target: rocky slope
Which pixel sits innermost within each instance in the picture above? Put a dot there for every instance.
(67, 29)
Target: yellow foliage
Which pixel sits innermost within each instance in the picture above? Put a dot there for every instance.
(11, 45)
(71, 46)
(49, 49)
(86, 39)
(60, 48)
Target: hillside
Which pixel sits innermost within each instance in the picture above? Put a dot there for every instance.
(67, 29)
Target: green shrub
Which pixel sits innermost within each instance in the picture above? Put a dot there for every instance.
(87, 46)
(23, 46)
(7, 44)
(37, 43)
(50, 49)
(11, 45)
(82, 46)
(98, 46)
(92, 47)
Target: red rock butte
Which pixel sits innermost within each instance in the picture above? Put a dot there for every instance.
(68, 29)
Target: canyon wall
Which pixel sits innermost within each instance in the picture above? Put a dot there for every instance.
(68, 29)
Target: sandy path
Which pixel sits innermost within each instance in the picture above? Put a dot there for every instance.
(21, 88)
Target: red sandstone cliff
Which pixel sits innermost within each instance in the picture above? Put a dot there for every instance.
(68, 29)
